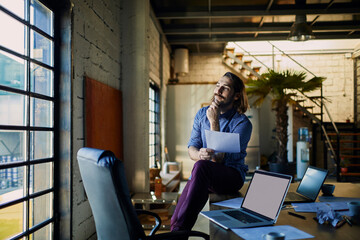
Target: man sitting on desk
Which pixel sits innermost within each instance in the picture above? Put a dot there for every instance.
(225, 172)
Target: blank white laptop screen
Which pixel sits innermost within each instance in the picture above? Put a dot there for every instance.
(262, 197)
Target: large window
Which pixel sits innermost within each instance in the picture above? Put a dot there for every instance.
(27, 127)
(154, 127)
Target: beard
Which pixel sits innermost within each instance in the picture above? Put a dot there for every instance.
(222, 101)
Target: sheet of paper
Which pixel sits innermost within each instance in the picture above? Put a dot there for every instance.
(312, 207)
(231, 203)
(337, 199)
(223, 141)
(258, 232)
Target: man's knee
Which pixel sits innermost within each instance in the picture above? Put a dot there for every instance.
(201, 167)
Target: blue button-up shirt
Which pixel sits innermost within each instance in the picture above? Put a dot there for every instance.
(232, 122)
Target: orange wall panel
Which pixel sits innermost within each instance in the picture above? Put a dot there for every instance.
(103, 117)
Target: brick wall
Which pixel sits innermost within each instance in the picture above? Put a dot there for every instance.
(357, 81)
(96, 40)
(154, 61)
(204, 68)
(337, 88)
(337, 68)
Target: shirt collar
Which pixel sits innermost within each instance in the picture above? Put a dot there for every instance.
(228, 114)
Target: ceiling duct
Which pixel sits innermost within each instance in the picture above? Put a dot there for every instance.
(181, 63)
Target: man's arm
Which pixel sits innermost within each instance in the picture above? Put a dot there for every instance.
(200, 154)
(205, 154)
(213, 116)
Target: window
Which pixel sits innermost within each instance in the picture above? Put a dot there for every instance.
(27, 123)
(154, 125)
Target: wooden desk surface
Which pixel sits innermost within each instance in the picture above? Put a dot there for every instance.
(320, 231)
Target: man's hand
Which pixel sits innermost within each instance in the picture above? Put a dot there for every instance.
(206, 153)
(212, 114)
(218, 157)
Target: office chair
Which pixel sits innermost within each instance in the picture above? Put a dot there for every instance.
(115, 217)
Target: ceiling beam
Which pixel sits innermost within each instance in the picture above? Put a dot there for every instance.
(268, 28)
(260, 37)
(276, 10)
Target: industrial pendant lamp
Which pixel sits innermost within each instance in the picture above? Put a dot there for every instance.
(300, 30)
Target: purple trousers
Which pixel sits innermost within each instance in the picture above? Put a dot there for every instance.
(206, 177)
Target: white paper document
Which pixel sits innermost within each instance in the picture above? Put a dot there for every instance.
(337, 199)
(313, 207)
(223, 141)
(258, 232)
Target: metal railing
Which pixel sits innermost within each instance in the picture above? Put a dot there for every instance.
(317, 102)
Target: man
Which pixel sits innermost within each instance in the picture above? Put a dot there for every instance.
(215, 172)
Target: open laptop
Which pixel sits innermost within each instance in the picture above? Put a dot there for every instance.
(261, 205)
(309, 187)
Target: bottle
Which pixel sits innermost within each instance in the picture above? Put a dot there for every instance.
(158, 187)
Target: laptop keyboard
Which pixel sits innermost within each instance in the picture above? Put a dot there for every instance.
(242, 217)
(291, 196)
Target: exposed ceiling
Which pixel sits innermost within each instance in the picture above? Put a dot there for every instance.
(207, 25)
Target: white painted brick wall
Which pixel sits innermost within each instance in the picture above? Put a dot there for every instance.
(204, 68)
(96, 40)
(338, 70)
(154, 63)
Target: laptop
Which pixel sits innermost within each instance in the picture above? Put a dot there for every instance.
(261, 205)
(309, 186)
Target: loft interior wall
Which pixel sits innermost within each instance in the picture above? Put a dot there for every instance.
(111, 43)
(182, 105)
(166, 62)
(135, 86)
(96, 48)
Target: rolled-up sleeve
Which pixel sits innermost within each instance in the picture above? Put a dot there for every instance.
(195, 138)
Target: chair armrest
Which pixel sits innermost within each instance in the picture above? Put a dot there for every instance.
(178, 235)
(157, 219)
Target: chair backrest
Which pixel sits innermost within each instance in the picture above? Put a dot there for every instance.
(105, 184)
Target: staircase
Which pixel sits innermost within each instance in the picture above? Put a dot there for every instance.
(347, 143)
(242, 66)
(340, 148)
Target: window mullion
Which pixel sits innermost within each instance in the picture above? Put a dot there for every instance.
(28, 166)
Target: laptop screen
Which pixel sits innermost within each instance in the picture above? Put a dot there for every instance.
(312, 181)
(266, 193)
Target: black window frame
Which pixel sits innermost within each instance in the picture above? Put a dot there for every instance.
(54, 219)
(155, 155)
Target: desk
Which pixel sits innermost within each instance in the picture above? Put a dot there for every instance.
(164, 206)
(324, 231)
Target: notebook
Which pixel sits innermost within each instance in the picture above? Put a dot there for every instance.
(309, 187)
(261, 205)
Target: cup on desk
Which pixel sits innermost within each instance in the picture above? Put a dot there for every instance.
(354, 208)
(273, 236)
(328, 189)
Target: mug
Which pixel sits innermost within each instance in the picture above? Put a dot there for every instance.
(354, 208)
(327, 189)
(273, 236)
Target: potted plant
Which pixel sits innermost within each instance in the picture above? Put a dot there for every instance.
(281, 86)
(344, 165)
